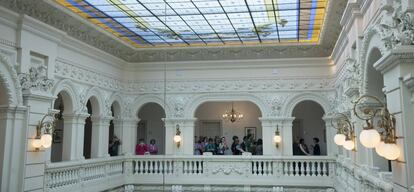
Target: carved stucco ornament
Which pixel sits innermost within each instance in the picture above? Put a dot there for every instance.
(36, 79)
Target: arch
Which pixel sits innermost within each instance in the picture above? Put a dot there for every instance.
(9, 78)
(310, 127)
(371, 42)
(191, 107)
(139, 102)
(67, 90)
(292, 102)
(95, 96)
(116, 100)
(374, 82)
(151, 126)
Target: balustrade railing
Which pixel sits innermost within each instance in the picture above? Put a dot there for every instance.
(195, 170)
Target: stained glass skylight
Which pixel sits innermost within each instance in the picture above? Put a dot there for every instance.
(152, 23)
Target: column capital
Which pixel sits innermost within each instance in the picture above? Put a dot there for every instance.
(75, 116)
(276, 119)
(179, 120)
(102, 118)
(403, 54)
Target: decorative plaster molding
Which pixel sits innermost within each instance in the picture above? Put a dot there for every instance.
(49, 13)
(36, 79)
(10, 79)
(229, 170)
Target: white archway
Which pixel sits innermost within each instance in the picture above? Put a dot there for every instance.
(291, 103)
(142, 100)
(191, 107)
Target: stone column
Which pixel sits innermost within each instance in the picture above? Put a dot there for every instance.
(398, 69)
(73, 136)
(100, 136)
(128, 135)
(13, 135)
(287, 136)
(269, 126)
(331, 147)
(186, 126)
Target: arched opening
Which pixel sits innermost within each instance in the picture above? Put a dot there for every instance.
(375, 85)
(114, 130)
(308, 130)
(57, 144)
(93, 110)
(210, 124)
(151, 128)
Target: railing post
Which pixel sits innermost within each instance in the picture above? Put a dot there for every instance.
(128, 169)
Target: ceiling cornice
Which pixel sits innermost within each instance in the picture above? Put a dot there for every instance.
(62, 19)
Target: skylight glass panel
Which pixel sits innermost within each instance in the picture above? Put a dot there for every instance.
(151, 23)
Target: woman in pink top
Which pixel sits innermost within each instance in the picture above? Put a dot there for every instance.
(141, 148)
(152, 148)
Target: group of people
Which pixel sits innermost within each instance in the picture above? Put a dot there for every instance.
(146, 149)
(219, 146)
(300, 148)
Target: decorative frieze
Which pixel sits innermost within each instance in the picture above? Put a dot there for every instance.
(36, 79)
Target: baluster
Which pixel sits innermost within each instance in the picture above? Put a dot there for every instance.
(254, 169)
(324, 169)
(311, 168)
(156, 166)
(307, 168)
(290, 170)
(136, 170)
(150, 168)
(167, 166)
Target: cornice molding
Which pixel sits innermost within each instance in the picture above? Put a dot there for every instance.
(46, 11)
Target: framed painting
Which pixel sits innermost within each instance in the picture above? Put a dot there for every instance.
(250, 131)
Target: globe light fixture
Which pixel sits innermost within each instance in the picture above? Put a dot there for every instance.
(339, 139)
(345, 135)
(382, 137)
(177, 137)
(369, 138)
(277, 138)
(47, 123)
(349, 145)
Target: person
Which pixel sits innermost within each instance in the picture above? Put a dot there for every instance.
(259, 147)
(141, 148)
(152, 148)
(236, 148)
(222, 146)
(114, 146)
(210, 147)
(303, 149)
(296, 150)
(198, 147)
(316, 147)
(244, 144)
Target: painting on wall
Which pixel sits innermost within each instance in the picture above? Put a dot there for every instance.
(250, 131)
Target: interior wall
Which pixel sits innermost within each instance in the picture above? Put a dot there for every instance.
(308, 124)
(151, 115)
(213, 111)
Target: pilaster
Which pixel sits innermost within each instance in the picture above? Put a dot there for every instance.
(269, 126)
(100, 136)
(186, 126)
(396, 66)
(73, 137)
(128, 134)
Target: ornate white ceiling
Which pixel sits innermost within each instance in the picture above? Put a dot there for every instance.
(53, 14)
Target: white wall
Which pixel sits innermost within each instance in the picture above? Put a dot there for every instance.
(215, 110)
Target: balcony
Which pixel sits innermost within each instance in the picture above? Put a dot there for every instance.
(270, 171)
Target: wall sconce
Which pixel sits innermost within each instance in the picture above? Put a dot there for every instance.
(177, 137)
(383, 137)
(277, 138)
(47, 123)
(345, 135)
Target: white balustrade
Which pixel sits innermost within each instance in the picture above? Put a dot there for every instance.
(210, 170)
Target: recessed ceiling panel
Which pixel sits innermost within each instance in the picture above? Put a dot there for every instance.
(155, 23)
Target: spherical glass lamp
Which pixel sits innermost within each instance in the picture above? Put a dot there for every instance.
(36, 143)
(277, 139)
(369, 138)
(46, 140)
(339, 139)
(177, 138)
(349, 145)
(391, 151)
(379, 149)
